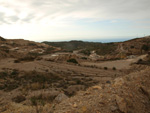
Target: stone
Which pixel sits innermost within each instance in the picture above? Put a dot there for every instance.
(97, 87)
(61, 97)
(108, 82)
(113, 108)
(118, 82)
(75, 105)
(121, 104)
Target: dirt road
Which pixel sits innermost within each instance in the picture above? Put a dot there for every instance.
(118, 64)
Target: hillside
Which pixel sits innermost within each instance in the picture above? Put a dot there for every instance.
(63, 78)
(119, 50)
(136, 46)
(100, 48)
(19, 47)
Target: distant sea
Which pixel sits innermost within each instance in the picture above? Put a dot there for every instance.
(106, 40)
(109, 40)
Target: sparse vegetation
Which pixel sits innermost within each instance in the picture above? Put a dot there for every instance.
(114, 68)
(105, 68)
(50, 50)
(145, 47)
(19, 98)
(86, 52)
(72, 61)
(16, 61)
(84, 58)
(131, 46)
(100, 48)
(27, 58)
(37, 82)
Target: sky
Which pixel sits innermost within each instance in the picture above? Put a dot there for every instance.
(60, 20)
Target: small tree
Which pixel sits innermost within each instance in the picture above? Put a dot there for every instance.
(145, 47)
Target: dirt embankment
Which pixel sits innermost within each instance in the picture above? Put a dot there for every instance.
(128, 94)
(124, 94)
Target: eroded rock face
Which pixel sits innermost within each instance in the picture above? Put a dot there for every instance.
(61, 97)
(121, 104)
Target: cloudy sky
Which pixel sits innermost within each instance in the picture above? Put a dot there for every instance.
(56, 20)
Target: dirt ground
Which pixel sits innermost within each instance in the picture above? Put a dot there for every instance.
(42, 66)
(118, 64)
(73, 78)
(85, 87)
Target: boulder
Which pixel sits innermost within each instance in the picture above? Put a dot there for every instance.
(60, 97)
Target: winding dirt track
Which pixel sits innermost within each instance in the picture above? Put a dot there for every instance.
(118, 64)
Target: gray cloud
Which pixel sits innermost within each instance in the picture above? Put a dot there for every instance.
(2, 15)
(13, 18)
(96, 10)
(2, 18)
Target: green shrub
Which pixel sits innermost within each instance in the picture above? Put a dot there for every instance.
(19, 98)
(145, 47)
(131, 47)
(41, 100)
(16, 61)
(3, 74)
(26, 58)
(15, 72)
(84, 58)
(78, 81)
(114, 68)
(33, 101)
(105, 68)
(86, 52)
(72, 61)
(31, 44)
(11, 86)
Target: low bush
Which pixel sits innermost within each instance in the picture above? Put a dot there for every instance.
(25, 58)
(114, 68)
(14, 72)
(86, 52)
(105, 68)
(41, 99)
(16, 61)
(11, 86)
(72, 61)
(19, 98)
(36, 86)
(84, 58)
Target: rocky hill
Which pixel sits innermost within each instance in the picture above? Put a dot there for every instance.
(107, 51)
(135, 46)
(128, 94)
(41, 78)
(20, 47)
